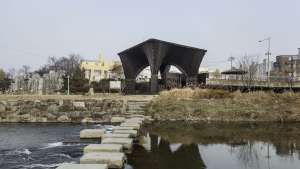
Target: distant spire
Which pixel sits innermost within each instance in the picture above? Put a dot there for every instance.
(101, 58)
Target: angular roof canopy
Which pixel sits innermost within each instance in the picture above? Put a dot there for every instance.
(158, 55)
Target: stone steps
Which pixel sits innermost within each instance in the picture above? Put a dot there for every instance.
(136, 106)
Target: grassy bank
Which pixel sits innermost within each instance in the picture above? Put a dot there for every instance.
(219, 105)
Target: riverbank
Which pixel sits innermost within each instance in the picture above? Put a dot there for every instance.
(62, 108)
(218, 105)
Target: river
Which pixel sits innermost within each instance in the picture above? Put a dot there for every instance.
(165, 145)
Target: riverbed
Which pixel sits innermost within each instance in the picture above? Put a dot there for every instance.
(165, 145)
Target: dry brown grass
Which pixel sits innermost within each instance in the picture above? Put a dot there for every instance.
(189, 93)
(220, 105)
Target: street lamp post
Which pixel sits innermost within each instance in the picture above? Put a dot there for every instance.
(268, 59)
(68, 84)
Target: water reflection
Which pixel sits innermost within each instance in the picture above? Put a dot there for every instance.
(216, 146)
(163, 156)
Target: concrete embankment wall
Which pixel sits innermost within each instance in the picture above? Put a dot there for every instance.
(60, 110)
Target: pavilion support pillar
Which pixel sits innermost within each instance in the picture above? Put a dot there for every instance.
(129, 86)
(155, 53)
(154, 83)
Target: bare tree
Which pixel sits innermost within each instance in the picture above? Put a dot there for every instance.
(117, 69)
(26, 69)
(70, 65)
(250, 65)
(2, 74)
(11, 73)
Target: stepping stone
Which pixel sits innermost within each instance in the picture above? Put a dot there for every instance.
(136, 116)
(117, 119)
(125, 142)
(134, 120)
(122, 128)
(116, 135)
(92, 133)
(130, 124)
(103, 148)
(132, 133)
(112, 159)
(83, 166)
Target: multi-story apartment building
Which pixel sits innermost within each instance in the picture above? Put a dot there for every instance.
(287, 66)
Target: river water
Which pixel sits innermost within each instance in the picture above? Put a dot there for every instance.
(172, 145)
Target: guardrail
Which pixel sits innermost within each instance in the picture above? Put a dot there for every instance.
(254, 83)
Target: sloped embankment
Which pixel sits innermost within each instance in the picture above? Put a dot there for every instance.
(218, 105)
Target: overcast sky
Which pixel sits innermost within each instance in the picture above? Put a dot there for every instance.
(32, 30)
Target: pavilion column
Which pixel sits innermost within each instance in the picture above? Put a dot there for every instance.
(154, 83)
(155, 53)
(129, 86)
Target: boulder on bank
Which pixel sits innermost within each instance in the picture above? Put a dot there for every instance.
(63, 118)
(2, 108)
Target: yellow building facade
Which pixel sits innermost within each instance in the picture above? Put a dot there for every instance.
(96, 70)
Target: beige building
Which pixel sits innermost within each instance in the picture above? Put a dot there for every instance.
(96, 70)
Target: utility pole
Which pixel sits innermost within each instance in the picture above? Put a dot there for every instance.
(268, 59)
(291, 74)
(68, 84)
(231, 58)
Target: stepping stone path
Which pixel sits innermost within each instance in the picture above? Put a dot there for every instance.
(110, 153)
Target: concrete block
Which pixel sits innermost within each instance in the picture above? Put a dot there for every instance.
(134, 120)
(103, 148)
(132, 133)
(112, 159)
(116, 135)
(137, 116)
(131, 124)
(83, 166)
(125, 142)
(92, 133)
(117, 119)
(123, 128)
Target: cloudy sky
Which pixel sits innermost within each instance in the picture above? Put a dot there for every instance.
(32, 30)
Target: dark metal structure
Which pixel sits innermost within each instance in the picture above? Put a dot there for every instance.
(160, 55)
